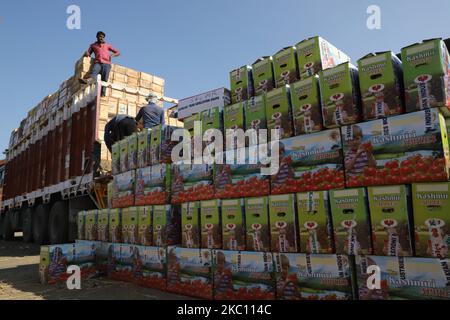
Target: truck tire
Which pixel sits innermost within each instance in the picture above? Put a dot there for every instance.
(6, 227)
(40, 224)
(58, 224)
(27, 225)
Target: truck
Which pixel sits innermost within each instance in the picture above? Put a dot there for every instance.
(57, 163)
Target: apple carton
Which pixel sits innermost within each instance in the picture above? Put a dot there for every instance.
(124, 186)
(85, 258)
(101, 258)
(263, 76)
(115, 158)
(285, 66)
(211, 119)
(189, 272)
(161, 144)
(130, 225)
(166, 225)
(233, 119)
(283, 226)
(115, 225)
(255, 116)
(351, 221)
(153, 268)
(381, 83)
(233, 224)
(143, 143)
(132, 151)
(91, 225)
(129, 266)
(210, 217)
(54, 261)
(257, 224)
(279, 112)
(153, 185)
(145, 226)
(113, 264)
(103, 225)
(190, 224)
(302, 276)
(391, 220)
(243, 275)
(314, 218)
(241, 84)
(81, 225)
(123, 145)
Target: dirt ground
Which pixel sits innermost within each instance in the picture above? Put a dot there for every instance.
(19, 280)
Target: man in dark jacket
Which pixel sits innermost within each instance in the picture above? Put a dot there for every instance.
(152, 114)
(119, 127)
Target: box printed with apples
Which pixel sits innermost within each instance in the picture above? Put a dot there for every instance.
(130, 225)
(115, 225)
(210, 217)
(145, 225)
(241, 84)
(257, 224)
(263, 76)
(283, 224)
(151, 267)
(153, 185)
(123, 189)
(143, 143)
(190, 225)
(233, 224)
(166, 225)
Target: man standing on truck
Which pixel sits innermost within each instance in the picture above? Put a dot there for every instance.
(119, 127)
(102, 62)
(151, 114)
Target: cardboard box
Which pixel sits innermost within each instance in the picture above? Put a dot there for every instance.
(351, 221)
(426, 71)
(233, 119)
(114, 265)
(234, 179)
(283, 223)
(132, 151)
(143, 155)
(190, 224)
(115, 156)
(103, 225)
(397, 150)
(381, 83)
(243, 275)
(130, 225)
(110, 194)
(340, 95)
(233, 224)
(145, 225)
(54, 261)
(102, 252)
(311, 162)
(314, 218)
(404, 278)
(302, 276)
(124, 186)
(153, 185)
(306, 108)
(91, 225)
(211, 119)
(316, 54)
(241, 84)
(198, 103)
(255, 115)
(123, 144)
(115, 225)
(81, 225)
(154, 264)
(189, 272)
(257, 224)
(279, 112)
(285, 66)
(192, 182)
(129, 265)
(85, 258)
(210, 217)
(166, 225)
(161, 144)
(431, 219)
(263, 76)
(391, 217)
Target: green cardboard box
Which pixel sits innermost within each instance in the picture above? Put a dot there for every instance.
(426, 71)
(381, 83)
(257, 224)
(279, 111)
(190, 224)
(166, 225)
(81, 225)
(143, 138)
(283, 223)
(263, 76)
(132, 151)
(314, 218)
(351, 221)
(130, 225)
(211, 119)
(91, 225)
(340, 95)
(241, 84)
(233, 224)
(145, 225)
(391, 218)
(306, 108)
(285, 67)
(123, 144)
(103, 225)
(316, 54)
(115, 225)
(233, 119)
(255, 113)
(210, 217)
(431, 205)
(115, 158)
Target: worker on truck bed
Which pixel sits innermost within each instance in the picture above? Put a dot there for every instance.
(151, 114)
(118, 128)
(102, 62)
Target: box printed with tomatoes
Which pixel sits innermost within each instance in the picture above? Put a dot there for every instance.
(255, 117)
(192, 182)
(243, 275)
(315, 224)
(115, 158)
(54, 261)
(310, 162)
(211, 228)
(143, 146)
(233, 224)
(241, 84)
(241, 173)
(153, 185)
(166, 225)
(81, 225)
(263, 77)
(283, 223)
(151, 269)
(145, 225)
(189, 272)
(279, 112)
(124, 187)
(132, 151)
(257, 224)
(103, 225)
(91, 225)
(190, 225)
(391, 220)
(302, 276)
(404, 278)
(115, 225)
(351, 221)
(130, 225)
(397, 150)
(285, 66)
(431, 203)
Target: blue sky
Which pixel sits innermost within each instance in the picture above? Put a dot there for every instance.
(192, 44)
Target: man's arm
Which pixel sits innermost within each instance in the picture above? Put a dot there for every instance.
(107, 136)
(139, 115)
(115, 52)
(88, 52)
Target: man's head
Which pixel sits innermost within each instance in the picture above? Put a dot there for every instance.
(152, 98)
(101, 36)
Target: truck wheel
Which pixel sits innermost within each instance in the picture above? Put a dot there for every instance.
(6, 227)
(40, 224)
(58, 224)
(28, 225)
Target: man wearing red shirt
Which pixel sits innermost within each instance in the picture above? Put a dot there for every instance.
(102, 62)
